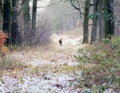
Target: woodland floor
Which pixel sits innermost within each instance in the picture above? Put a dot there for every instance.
(48, 69)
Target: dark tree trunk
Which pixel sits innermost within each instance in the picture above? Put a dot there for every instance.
(26, 22)
(15, 34)
(7, 19)
(95, 21)
(34, 13)
(109, 23)
(86, 19)
(86, 22)
(0, 14)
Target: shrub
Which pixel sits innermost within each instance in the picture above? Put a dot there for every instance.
(3, 49)
(3, 37)
(105, 58)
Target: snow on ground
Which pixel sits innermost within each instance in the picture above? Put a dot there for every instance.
(50, 83)
(44, 82)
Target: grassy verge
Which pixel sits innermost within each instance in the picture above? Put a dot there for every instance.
(7, 63)
(105, 60)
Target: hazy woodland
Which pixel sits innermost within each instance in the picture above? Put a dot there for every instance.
(59, 46)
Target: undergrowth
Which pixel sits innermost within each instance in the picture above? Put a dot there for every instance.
(7, 63)
(102, 70)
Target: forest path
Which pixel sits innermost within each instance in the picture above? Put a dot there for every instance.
(49, 70)
(53, 54)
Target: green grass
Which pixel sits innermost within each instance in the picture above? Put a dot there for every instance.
(7, 63)
(104, 57)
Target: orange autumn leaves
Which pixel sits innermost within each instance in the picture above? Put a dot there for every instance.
(3, 37)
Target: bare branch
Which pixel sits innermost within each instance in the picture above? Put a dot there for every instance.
(74, 5)
(77, 8)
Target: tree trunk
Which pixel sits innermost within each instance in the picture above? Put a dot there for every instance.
(95, 21)
(109, 23)
(0, 14)
(86, 22)
(15, 34)
(7, 19)
(101, 20)
(34, 13)
(26, 22)
(111, 20)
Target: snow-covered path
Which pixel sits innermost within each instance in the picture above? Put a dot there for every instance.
(49, 83)
(29, 80)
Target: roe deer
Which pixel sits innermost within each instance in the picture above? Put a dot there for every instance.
(60, 42)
